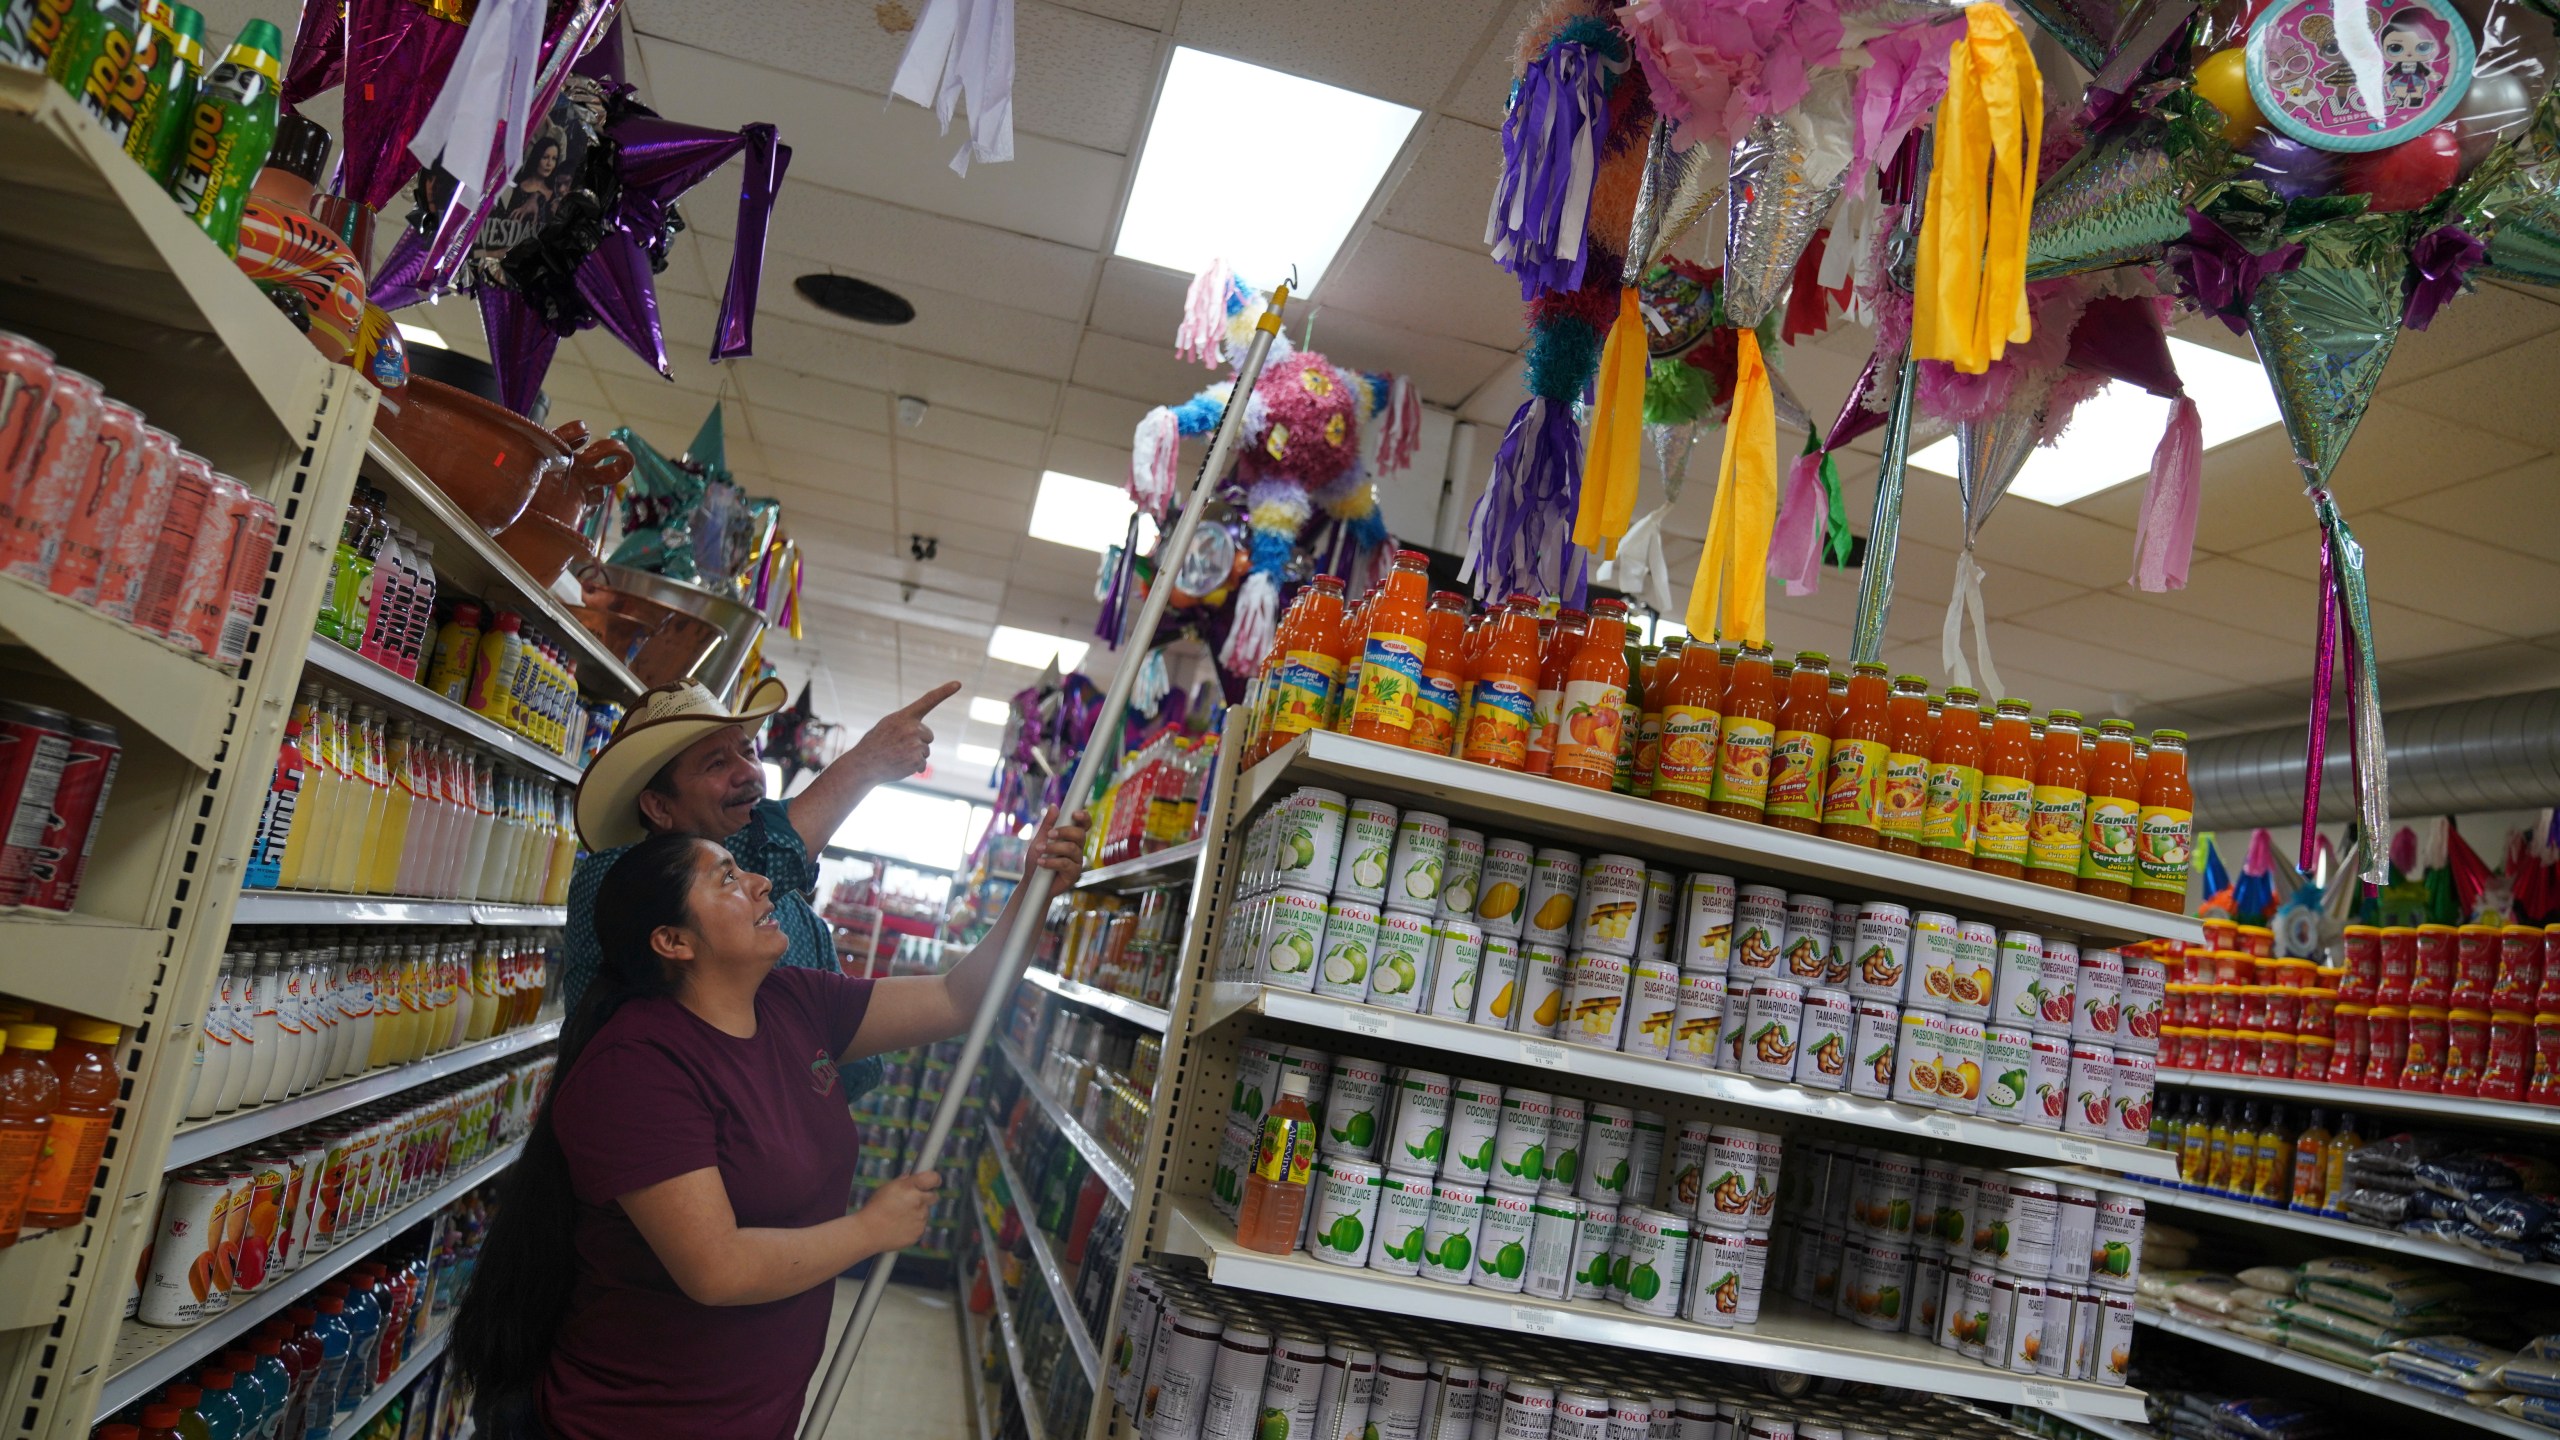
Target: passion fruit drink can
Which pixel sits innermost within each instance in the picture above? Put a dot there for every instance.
(1933, 960)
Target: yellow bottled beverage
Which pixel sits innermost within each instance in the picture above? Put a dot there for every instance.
(377, 781)
(346, 838)
(386, 1007)
(383, 877)
(309, 811)
(484, 997)
(423, 1016)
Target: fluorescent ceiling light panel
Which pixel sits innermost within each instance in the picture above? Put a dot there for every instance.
(1086, 514)
(2113, 432)
(979, 755)
(988, 710)
(426, 335)
(1202, 195)
(1033, 650)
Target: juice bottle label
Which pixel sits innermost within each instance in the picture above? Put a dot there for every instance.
(2000, 821)
(1850, 781)
(1742, 761)
(68, 1164)
(1346, 700)
(275, 821)
(1301, 692)
(2106, 839)
(1646, 759)
(2053, 828)
(1630, 734)
(1287, 1151)
(1587, 730)
(1902, 799)
(2164, 840)
(1435, 714)
(1390, 677)
(21, 1146)
(1686, 761)
(1542, 729)
(1796, 762)
(1500, 723)
(1955, 796)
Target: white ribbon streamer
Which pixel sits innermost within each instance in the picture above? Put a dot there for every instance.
(489, 89)
(1640, 569)
(964, 48)
(2363, 54)
(1968, 598)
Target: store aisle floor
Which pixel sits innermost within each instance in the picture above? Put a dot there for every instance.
(910, 1382)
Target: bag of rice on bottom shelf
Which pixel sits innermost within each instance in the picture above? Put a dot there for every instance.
(2371, 1287)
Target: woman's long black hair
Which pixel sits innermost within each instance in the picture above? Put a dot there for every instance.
(520, 1291)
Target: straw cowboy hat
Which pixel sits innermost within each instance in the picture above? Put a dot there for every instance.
(657, 730)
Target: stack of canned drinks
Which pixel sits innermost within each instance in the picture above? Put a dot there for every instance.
(895, 1114)
(1351, 899)
(2014, 1270)
(1199, 1363)
(1522, 1191)
(238, 1223)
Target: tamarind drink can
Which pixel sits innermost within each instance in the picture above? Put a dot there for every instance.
(1689, 1150)
(1706, 922)
(183, 1278)
(71, 827)
(1804, 948)
(1880, 951)
(98, 502)
(1697, 1020)
(40, 486)
(1759, 931)
(1873, 1028)
(1731, 1267)
(173, 546)
(1737, 1017)
(1822, 1050)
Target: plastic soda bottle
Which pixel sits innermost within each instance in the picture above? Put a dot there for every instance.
(1852, 783)
(1590, 704)
(1275, 1192)
(275, 814)
(2059, 805)
(1902, 798)
(84, 1066)
(457, 646)
(1435, 706)
(2165, 835)
(168, 95)
(29, 1094)
(107, 50)
(1747, 737)
(2008, 792)
(228, 133)
(1504, 711)
(1949, 825)
(2114, 811)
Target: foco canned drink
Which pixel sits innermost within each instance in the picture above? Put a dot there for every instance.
(2008, 1065)
(1497, 983)
(2029, 1318)
(1610, 903)
(1355, 1110)
(1403, 1395)
(2022, 1240)
(1491, 1377)
(1990, 1210)
(1544, 978)
(1894, 1199)
(1729, 1177)
(1977, 956)
(2017, 973)
(1595, 1010)
(1873, 1027)
(1350, 942)
(1554, 1230)
(1140, 1311)
(1630, 1417)
(1774, 1022)
(1400, 965)
(1822, 1053)
(1232, 1404)
(1404, 1223)
(2129, 1095)
(1528, 1411)
(1653, 1008)
(1292, 930)
(1453, 970)
(1501, 901)
(2048, 1082)
(1417, 863)
(1580, 1415)
(1658, 930)
(1308, 849)
(1342, 1210)
(1461, 876)
(1689, 1147)
(1657, 1250)
(2146, 994)
(2088, 1318)
(1706, 922)
(1929, 1205)
(2115, 1340)
(1732, 1268)
(1644, 1157)
(1697, 1023)
(1933, 960)
(1565, 1121)
(1804, 946)
(1880, 952)
(1928, 1293)
(2075, 1224)
(1960, 1064)
(2053, 1350)
(1555, 885)
(1982, 1312)
(1759, 931)
(2057, 989)
(1608, 1145)
(1502, 1241)
(1844, 941)
(1449, 1232)
(1737, 1019)
(1294, 1385)
(1454, 1383)
(1875, 1276)
(1520, 1141)
(1596, 1248)
(1350, 1386)
(1421, 1131)
(1475, 1117)
(1916, 1053)
(1257, 1080)
(187, 1270)
(1368, 845)
(2100, 1011)
(2092, 1084)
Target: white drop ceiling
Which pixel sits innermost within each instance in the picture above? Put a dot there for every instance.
(1037, 350)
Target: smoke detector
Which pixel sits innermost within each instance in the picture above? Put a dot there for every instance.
(911, 410)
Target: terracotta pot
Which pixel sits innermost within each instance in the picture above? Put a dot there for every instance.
(544, 547)
(485, 458)
(597, 467)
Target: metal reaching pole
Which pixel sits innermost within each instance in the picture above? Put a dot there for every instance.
(1033, 897)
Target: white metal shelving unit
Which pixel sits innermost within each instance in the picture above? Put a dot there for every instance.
(2442, 1109)
(1026, 1391)
(346, 669)
(1045, 1261)
(2320, 1369)
(422, 1354)
(1156, 868)
(204, 1139)
(1136, 1012)
(320, 907)
(1114, 1175)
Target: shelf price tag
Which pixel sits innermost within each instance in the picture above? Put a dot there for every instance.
(1534, 1319)
(1944, 1127)
(1360, 1020)
(1543, 1052)
(2045, 1396)
(2079, 1152)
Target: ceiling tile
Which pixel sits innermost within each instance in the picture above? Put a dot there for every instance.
(2447, 576)
(919, 463)
(840, 444)
(1136, 369)
(1139, 301)
(2482, 323)
(770, 387)
(2504, 394)
(1485, 93)
(1100, 418)
(978, 435)
(1427, 287)
(964, 327)
(815, 228)
(2241, 595)
(1446, 371)
(2122, 623)
(1409, 53)
(2511, 509)
(1444, 195)
(1104, 464)
(881, 365)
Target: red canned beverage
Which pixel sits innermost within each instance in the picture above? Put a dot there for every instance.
(98, 504)
(37, 505)
(35, 744)
(253, 551)
(26, 373)
(88, 773)
(173, 548)
(137, 533)
(203, 601)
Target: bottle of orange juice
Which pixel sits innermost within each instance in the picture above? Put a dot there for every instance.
(1392, 656)
(1802, 751)
(1903, 796)
(2061, 805)
(1590, 713)
(1355, 635)
(1435, 709)
(1554, 660)
(1948, 826)
(1470, 655)
(1852, 785)
(2008, 791)
(1302, 689)
(1684, 770)
(1661, 666)
(1504, 712)
(2165, 837)
(2115, 808)
(1748, 733)
(1256, 706)
(1622, 777)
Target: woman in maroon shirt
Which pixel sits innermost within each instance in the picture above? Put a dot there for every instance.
(660, 1260)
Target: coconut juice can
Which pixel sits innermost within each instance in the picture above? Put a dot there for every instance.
(1555, 1227)
(1503, 1223)
(1420, 1134)
(1356, 1108)
(1565, 1122)
(1520, 1140)
(1475, 1117)
(2115, 1243)
(1608, 1145)
(1449, 1232)
(1342, 1208)
(1657, 1251)
(1293, 1385)
(1595, 1254)
(1404, 1223)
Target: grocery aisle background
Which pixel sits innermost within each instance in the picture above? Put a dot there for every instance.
(911, 1382)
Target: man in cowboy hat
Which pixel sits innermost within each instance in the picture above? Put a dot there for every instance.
(681, 763)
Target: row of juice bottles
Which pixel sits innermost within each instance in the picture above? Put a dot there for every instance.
(290, 1017)
(1733, 731)
(1152, 801)
(362, 804)
(138, 66)
(58, 1086)
(2243, 1151)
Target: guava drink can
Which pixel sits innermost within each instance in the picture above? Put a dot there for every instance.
(1368, 845)
(1400, 965)
(1453, 970)
(1307, 848)
(1292, 930)
(1418, 863)
(1462, 877)
(1350, 942)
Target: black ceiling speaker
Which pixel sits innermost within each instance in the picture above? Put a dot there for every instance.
(855, 299)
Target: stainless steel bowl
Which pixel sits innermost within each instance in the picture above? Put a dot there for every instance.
(738, 623)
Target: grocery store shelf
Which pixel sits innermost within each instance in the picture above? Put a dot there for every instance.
(1026, 1391)
(1136, 1012)
(1343, 1018)
(1153, 868)
(2107, 1429)
(408, 697)
(2299, 1363)
(1782, 1340)
(80, 963)
(1557, 813)
(421, 1355)
(205, 1139)
(973, 1343)
(1061, 1290)
(319, 907)
(1115, 1176)
(181, 700)
(465, 552)
(2442, 1109)
(32, 1275)
(148, 1356)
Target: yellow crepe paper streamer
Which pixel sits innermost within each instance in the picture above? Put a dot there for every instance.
(1970, 300)
(1737, 553)
(1609, 468)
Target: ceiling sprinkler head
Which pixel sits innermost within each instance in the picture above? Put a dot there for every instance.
(911, 410)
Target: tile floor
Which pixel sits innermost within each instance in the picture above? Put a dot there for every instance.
(910, 1381)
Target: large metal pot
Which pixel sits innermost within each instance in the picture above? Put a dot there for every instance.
(737, 624)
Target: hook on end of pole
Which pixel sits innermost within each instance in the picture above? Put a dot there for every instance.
(1270, 321)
